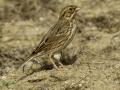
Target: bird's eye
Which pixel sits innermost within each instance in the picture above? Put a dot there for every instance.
(70, 8)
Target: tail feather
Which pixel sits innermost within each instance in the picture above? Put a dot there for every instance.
(30, 58)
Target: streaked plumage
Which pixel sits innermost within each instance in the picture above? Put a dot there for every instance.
(58, 37)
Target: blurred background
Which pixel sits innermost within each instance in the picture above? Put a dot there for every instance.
(23, 23)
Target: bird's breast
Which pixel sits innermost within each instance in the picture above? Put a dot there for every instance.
(73, 29)
(71, 33)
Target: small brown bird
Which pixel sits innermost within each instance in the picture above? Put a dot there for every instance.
(58, 37)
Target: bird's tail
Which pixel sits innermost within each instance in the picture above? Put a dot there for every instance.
(30, 58)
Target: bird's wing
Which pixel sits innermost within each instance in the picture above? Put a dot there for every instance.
(53, 39)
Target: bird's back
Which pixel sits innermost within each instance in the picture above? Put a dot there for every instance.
(56, 38)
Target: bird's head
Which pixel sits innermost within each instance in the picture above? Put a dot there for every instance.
(69, 12)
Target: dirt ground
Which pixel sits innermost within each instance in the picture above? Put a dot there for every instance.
(92, 60)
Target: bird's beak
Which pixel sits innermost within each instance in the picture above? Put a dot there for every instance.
(78, 8)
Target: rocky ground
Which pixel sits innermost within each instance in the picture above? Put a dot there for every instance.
(92, 60)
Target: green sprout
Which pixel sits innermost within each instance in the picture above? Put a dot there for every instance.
(0, 36)
(4, 83)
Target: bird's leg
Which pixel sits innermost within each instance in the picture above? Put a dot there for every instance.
(51, 59)
(57, 57)
(61, 54)
(60, 64)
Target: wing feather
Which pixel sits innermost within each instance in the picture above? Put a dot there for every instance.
(54, 38)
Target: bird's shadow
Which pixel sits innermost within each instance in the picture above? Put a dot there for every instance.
(65, 60)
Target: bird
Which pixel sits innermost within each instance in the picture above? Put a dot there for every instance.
(58, 37)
